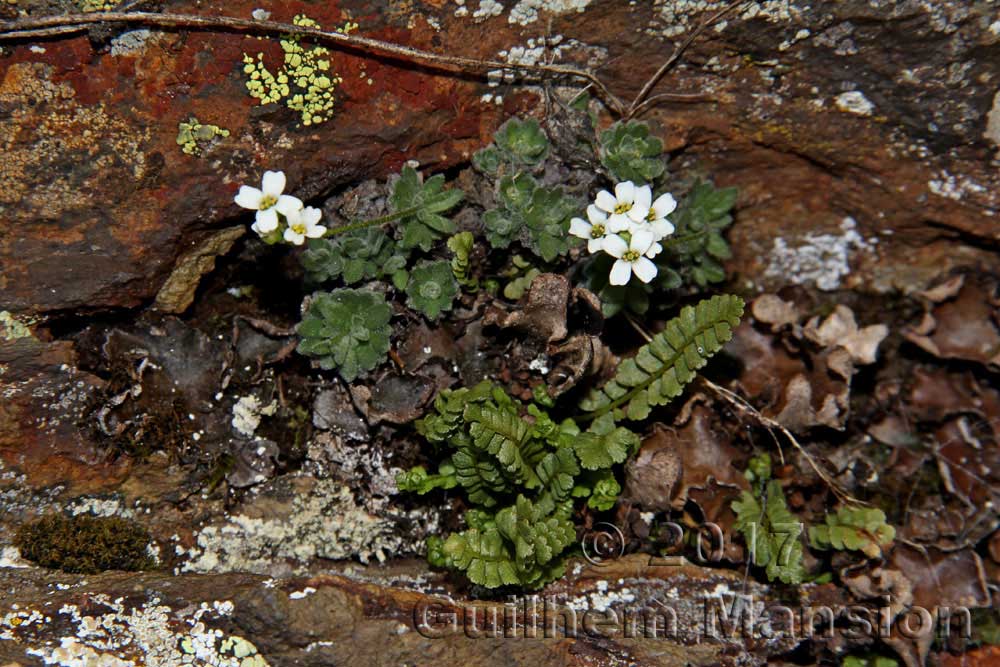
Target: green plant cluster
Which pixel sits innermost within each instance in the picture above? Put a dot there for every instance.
(420, 205)
(520, 470)
(84, 544)
(770, 529)
(697, 248)
(528, 213)
(518, 144)
(854, 528)
(660, 369)
(347, 329)
(630, 154)
(431, 288)
(535, 216)
(355, 256)
(691, 256)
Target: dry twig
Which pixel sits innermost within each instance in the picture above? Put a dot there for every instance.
(50, 26)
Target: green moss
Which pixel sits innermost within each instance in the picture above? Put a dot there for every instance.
(193, 136)
(84, 544)
(305, 82)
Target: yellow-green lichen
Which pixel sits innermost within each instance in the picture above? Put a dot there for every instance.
(11, 328)
(97, 5)
(305, 81)
(193, 136)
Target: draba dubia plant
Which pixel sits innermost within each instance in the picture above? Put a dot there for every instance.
(527, 471)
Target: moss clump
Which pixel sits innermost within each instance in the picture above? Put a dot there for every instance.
(84, 544)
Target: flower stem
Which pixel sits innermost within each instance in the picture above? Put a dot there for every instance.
(682, 239)
(392, 217)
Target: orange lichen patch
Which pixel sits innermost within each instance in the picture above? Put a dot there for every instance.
(49, 126)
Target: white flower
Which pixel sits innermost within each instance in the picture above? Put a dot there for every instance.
(633, 256)
(664, 205)
(302, 224)
(629, 204)
(268, 201)
(593, 231)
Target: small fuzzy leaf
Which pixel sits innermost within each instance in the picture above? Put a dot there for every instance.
(347, 329)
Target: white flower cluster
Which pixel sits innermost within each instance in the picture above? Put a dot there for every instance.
(273, 207)
(628, 225)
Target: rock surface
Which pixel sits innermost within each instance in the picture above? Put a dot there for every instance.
(862, 135)
(859, 133)
(375, 617)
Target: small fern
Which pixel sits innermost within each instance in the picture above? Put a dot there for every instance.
(461, 245)
(522, 469)
(658, 372)
(855, 528)
(772, 533)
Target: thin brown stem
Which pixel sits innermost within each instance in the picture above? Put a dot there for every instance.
(674, 57)
(48, 26)
(744, 407)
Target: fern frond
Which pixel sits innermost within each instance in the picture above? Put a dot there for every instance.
(658, 372)
(479, 475)
(501, 432)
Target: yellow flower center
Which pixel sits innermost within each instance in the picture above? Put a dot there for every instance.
(597, 231)
(631, 256)
(298, 227)
(623, 208)
(267, 202)
(651, 216)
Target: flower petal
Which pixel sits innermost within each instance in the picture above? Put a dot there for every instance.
(643, 196)
(664, 205)
(654, 250)
(615, 245)
(288, 205)
(662, 228)
(596, 215)
(293, 237)
(620, 273)
(267, 221)
(638, 213)
(618, 223)
(625, 192)
(316, 231)
(311, 215)
(595, 245)
(605, 201)
(273, 183)
(644, 269)
(248, 197)
(579, 227)
(641, 240)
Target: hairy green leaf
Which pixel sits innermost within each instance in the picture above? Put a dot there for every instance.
(361, 254)
(425, 201)
(432, 288)
(630, 154)
(347, 329)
